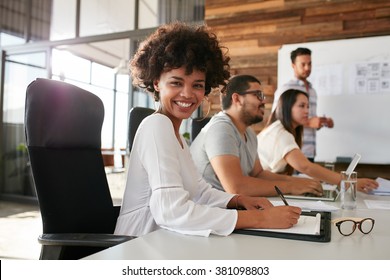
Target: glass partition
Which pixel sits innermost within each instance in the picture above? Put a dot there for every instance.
(101, 68)
(106, 16)
(92, 52)
(9, 40)
(148, 13)
(121, 110)
(63, 20)
(20, 71)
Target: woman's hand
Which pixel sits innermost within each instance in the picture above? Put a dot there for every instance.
(305, 185)
(253, 203)
(271, 217)
(280, 217)
(366, 185)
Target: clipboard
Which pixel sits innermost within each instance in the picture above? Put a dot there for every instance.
(324, 236)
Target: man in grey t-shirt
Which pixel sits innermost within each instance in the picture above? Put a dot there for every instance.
(225, 151)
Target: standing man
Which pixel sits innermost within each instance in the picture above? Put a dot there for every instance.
(225, 151)
(301, 64)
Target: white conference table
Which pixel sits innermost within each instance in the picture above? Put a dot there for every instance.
(167, 245)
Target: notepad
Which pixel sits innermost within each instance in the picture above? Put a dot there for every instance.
(304, 230)
(377, 204)
(384, 187)
(309, 205)
(309, 225)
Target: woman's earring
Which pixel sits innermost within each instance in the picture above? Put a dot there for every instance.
(156, 96)
(208, 109)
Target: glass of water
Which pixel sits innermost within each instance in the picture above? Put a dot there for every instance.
(348, 188)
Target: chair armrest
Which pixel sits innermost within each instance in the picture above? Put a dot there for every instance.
(82, 239)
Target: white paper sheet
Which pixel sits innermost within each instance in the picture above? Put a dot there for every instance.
(377, 204)
(384, 187)
(309, 205)
(306, 225)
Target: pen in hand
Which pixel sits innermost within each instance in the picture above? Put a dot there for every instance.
(281, 195)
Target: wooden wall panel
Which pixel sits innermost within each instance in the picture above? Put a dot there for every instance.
(226, 9)
(254, 30)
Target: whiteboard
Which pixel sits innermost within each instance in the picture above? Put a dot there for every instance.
(352, 80)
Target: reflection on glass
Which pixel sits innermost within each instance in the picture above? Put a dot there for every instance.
(10, 40)
(63, 20)
(121, 117)
(122, 83)
(187, 11)
(34, 59)
(102, 76)
(15, 165)
(67, 65)
(148, 13)
(106, 16)
(17, 78)
(107, 96)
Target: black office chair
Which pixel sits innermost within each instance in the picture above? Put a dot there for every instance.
(63, 132)
(197, 125)
(136, 115)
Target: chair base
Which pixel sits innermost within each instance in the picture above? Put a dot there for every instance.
(74, 246)
(49, 252)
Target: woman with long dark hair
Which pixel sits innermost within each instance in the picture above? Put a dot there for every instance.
(281, 140)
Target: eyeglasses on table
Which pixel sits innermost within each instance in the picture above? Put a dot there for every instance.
(348, 225)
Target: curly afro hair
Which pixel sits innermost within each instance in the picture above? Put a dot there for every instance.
(176, 45)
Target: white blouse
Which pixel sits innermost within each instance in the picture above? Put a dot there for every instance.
(274, 142)
(165, 190)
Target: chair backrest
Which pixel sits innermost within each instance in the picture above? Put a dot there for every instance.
(63, 132)
(136, 115)
(197, 125)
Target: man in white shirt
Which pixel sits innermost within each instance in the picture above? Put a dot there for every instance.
(301, 64)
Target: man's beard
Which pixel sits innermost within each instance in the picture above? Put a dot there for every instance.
(249, 119)
(304, 77)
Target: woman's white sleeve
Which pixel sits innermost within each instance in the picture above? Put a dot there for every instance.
(185, 209)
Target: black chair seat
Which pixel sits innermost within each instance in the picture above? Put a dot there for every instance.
(197, 124)
(136, 115)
